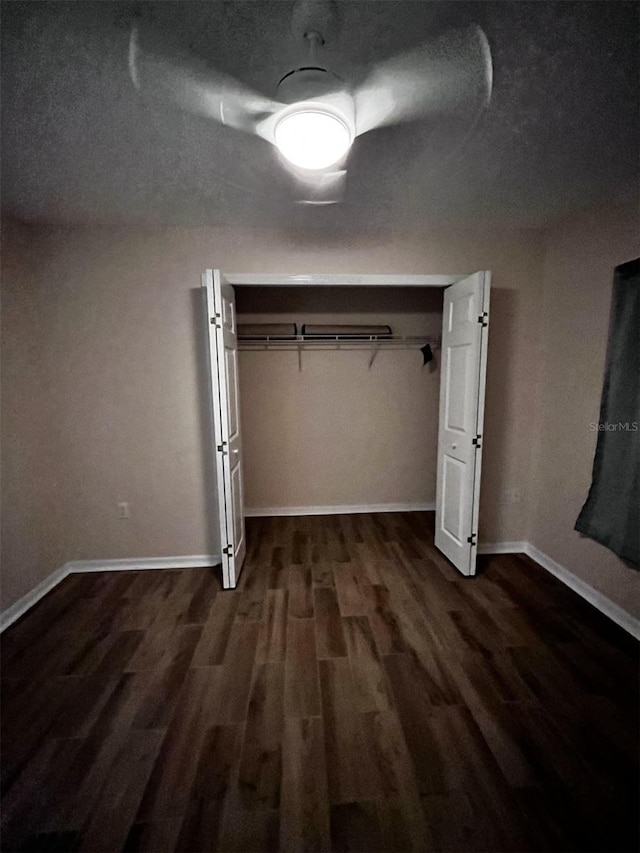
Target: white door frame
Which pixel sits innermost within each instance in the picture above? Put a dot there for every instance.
(254, 279)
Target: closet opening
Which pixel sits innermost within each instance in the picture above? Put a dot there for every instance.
(327, 398)
(338, 423)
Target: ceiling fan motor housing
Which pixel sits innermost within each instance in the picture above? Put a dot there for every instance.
(304, 84)
(317, 89)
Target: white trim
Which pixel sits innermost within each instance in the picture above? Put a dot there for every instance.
(16, 610)
(502, 548)
(20, 607)
(582, 588)
(593, 596)
(251, 512)
(189, 561)
(597, 599)
(356, 280)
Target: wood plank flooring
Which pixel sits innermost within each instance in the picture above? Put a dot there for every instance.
(354, 693)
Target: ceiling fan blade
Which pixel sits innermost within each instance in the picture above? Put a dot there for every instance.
(191, 84)
(317, 188)
(452, 74)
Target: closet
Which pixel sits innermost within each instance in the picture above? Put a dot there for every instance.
(347, 394)
(338, 421)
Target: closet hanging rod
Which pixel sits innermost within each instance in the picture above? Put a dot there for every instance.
(374, 343)
(338, 341)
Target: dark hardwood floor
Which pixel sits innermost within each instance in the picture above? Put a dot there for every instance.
(354, 693)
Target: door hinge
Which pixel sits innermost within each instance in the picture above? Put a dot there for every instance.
(221, 448)
(228, 550)
(472, 540)
(483, 319)
(213, 320)
(477, 441)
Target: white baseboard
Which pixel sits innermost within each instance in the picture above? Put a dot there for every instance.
(15, 611)
(19, 607)
(356, 509)
(188, 561)
(593, 596)
(196, 561)
(502, 547)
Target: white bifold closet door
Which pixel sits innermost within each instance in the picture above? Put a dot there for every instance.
(462, 386)
(225, 409)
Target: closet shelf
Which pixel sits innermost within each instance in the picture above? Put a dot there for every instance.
(310, 342)
(337, 341)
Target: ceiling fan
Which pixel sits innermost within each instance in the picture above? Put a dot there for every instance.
(315, 115)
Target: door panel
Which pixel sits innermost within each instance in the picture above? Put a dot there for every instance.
(238, 503)
(464, 344)
(453, 493)
(223, 361)
(231, 366)
(456, 416)
(461, 311)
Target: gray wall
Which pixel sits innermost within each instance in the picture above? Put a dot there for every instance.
(103, 384)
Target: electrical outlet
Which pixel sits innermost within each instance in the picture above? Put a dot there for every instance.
(123, 510)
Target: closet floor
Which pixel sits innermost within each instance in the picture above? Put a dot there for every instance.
(354, 693)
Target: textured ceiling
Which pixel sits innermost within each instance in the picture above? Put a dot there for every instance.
(80, 145)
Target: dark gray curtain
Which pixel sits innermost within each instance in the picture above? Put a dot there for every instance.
(611, 514)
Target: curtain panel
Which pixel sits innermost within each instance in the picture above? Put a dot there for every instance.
(611, 513)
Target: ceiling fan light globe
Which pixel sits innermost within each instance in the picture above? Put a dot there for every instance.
(312, 139)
